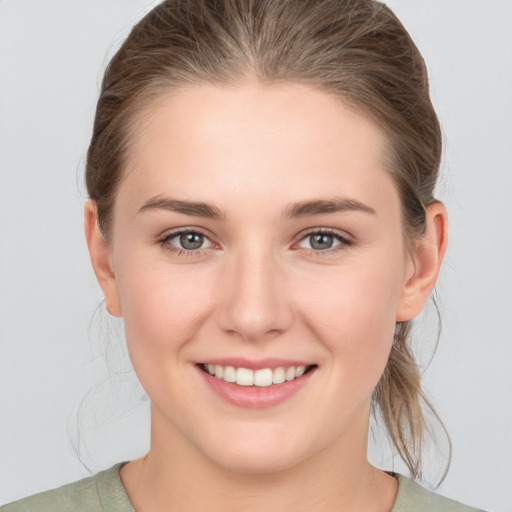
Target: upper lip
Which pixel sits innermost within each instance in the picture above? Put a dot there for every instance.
(255, 364)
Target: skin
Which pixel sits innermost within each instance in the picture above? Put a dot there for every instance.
(257, 289)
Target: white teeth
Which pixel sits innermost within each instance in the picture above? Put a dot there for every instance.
(219, 371)
(229, 374)
(278, 376)
(290, 373)
(261, 378)
(244, 377)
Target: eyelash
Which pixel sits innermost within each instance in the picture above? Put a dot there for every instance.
(166, 245)
(344, 242)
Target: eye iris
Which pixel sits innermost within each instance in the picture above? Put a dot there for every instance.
(191, 241)
(321, 241)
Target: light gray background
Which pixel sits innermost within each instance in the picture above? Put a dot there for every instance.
(52, 54)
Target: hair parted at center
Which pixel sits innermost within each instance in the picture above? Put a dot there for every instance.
(356, 50)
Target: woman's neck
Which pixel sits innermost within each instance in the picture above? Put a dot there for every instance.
(176, 476)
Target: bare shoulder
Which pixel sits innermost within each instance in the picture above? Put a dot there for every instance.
(412, 497)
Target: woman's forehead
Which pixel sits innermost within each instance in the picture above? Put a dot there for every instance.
(256, 138)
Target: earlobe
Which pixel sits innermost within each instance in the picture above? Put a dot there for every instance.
(426, 257)
(101, 260)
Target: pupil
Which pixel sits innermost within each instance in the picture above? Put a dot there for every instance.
(191, 241)
(321, 241)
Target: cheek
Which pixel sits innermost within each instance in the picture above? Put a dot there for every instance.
(162, 306)
(354, 315)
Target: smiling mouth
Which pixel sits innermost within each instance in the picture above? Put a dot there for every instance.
(263, 377)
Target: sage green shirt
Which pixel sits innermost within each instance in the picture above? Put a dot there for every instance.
(105, 492)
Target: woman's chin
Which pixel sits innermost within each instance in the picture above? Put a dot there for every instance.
(255, 464)
(248, 454)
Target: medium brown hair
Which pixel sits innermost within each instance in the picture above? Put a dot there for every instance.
(355, 49)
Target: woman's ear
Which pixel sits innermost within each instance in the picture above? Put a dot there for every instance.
(426, 258)
(101, 259)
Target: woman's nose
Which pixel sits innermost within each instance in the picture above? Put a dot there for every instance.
(255, 301)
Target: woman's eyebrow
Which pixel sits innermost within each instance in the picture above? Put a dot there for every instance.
(194, 208)
(323, 206)
(293, 210)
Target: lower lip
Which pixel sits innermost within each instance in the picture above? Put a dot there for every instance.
(255, 397)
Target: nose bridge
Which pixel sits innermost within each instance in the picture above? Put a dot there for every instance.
(255, 300)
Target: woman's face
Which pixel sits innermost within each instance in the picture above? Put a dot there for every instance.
(256, 232)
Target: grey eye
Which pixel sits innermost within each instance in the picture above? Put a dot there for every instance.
(191, 241)
(321, 241)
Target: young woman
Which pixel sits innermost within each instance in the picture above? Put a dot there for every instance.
(261, 215)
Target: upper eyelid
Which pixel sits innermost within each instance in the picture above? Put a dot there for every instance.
(328, 231)
(171, 233)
